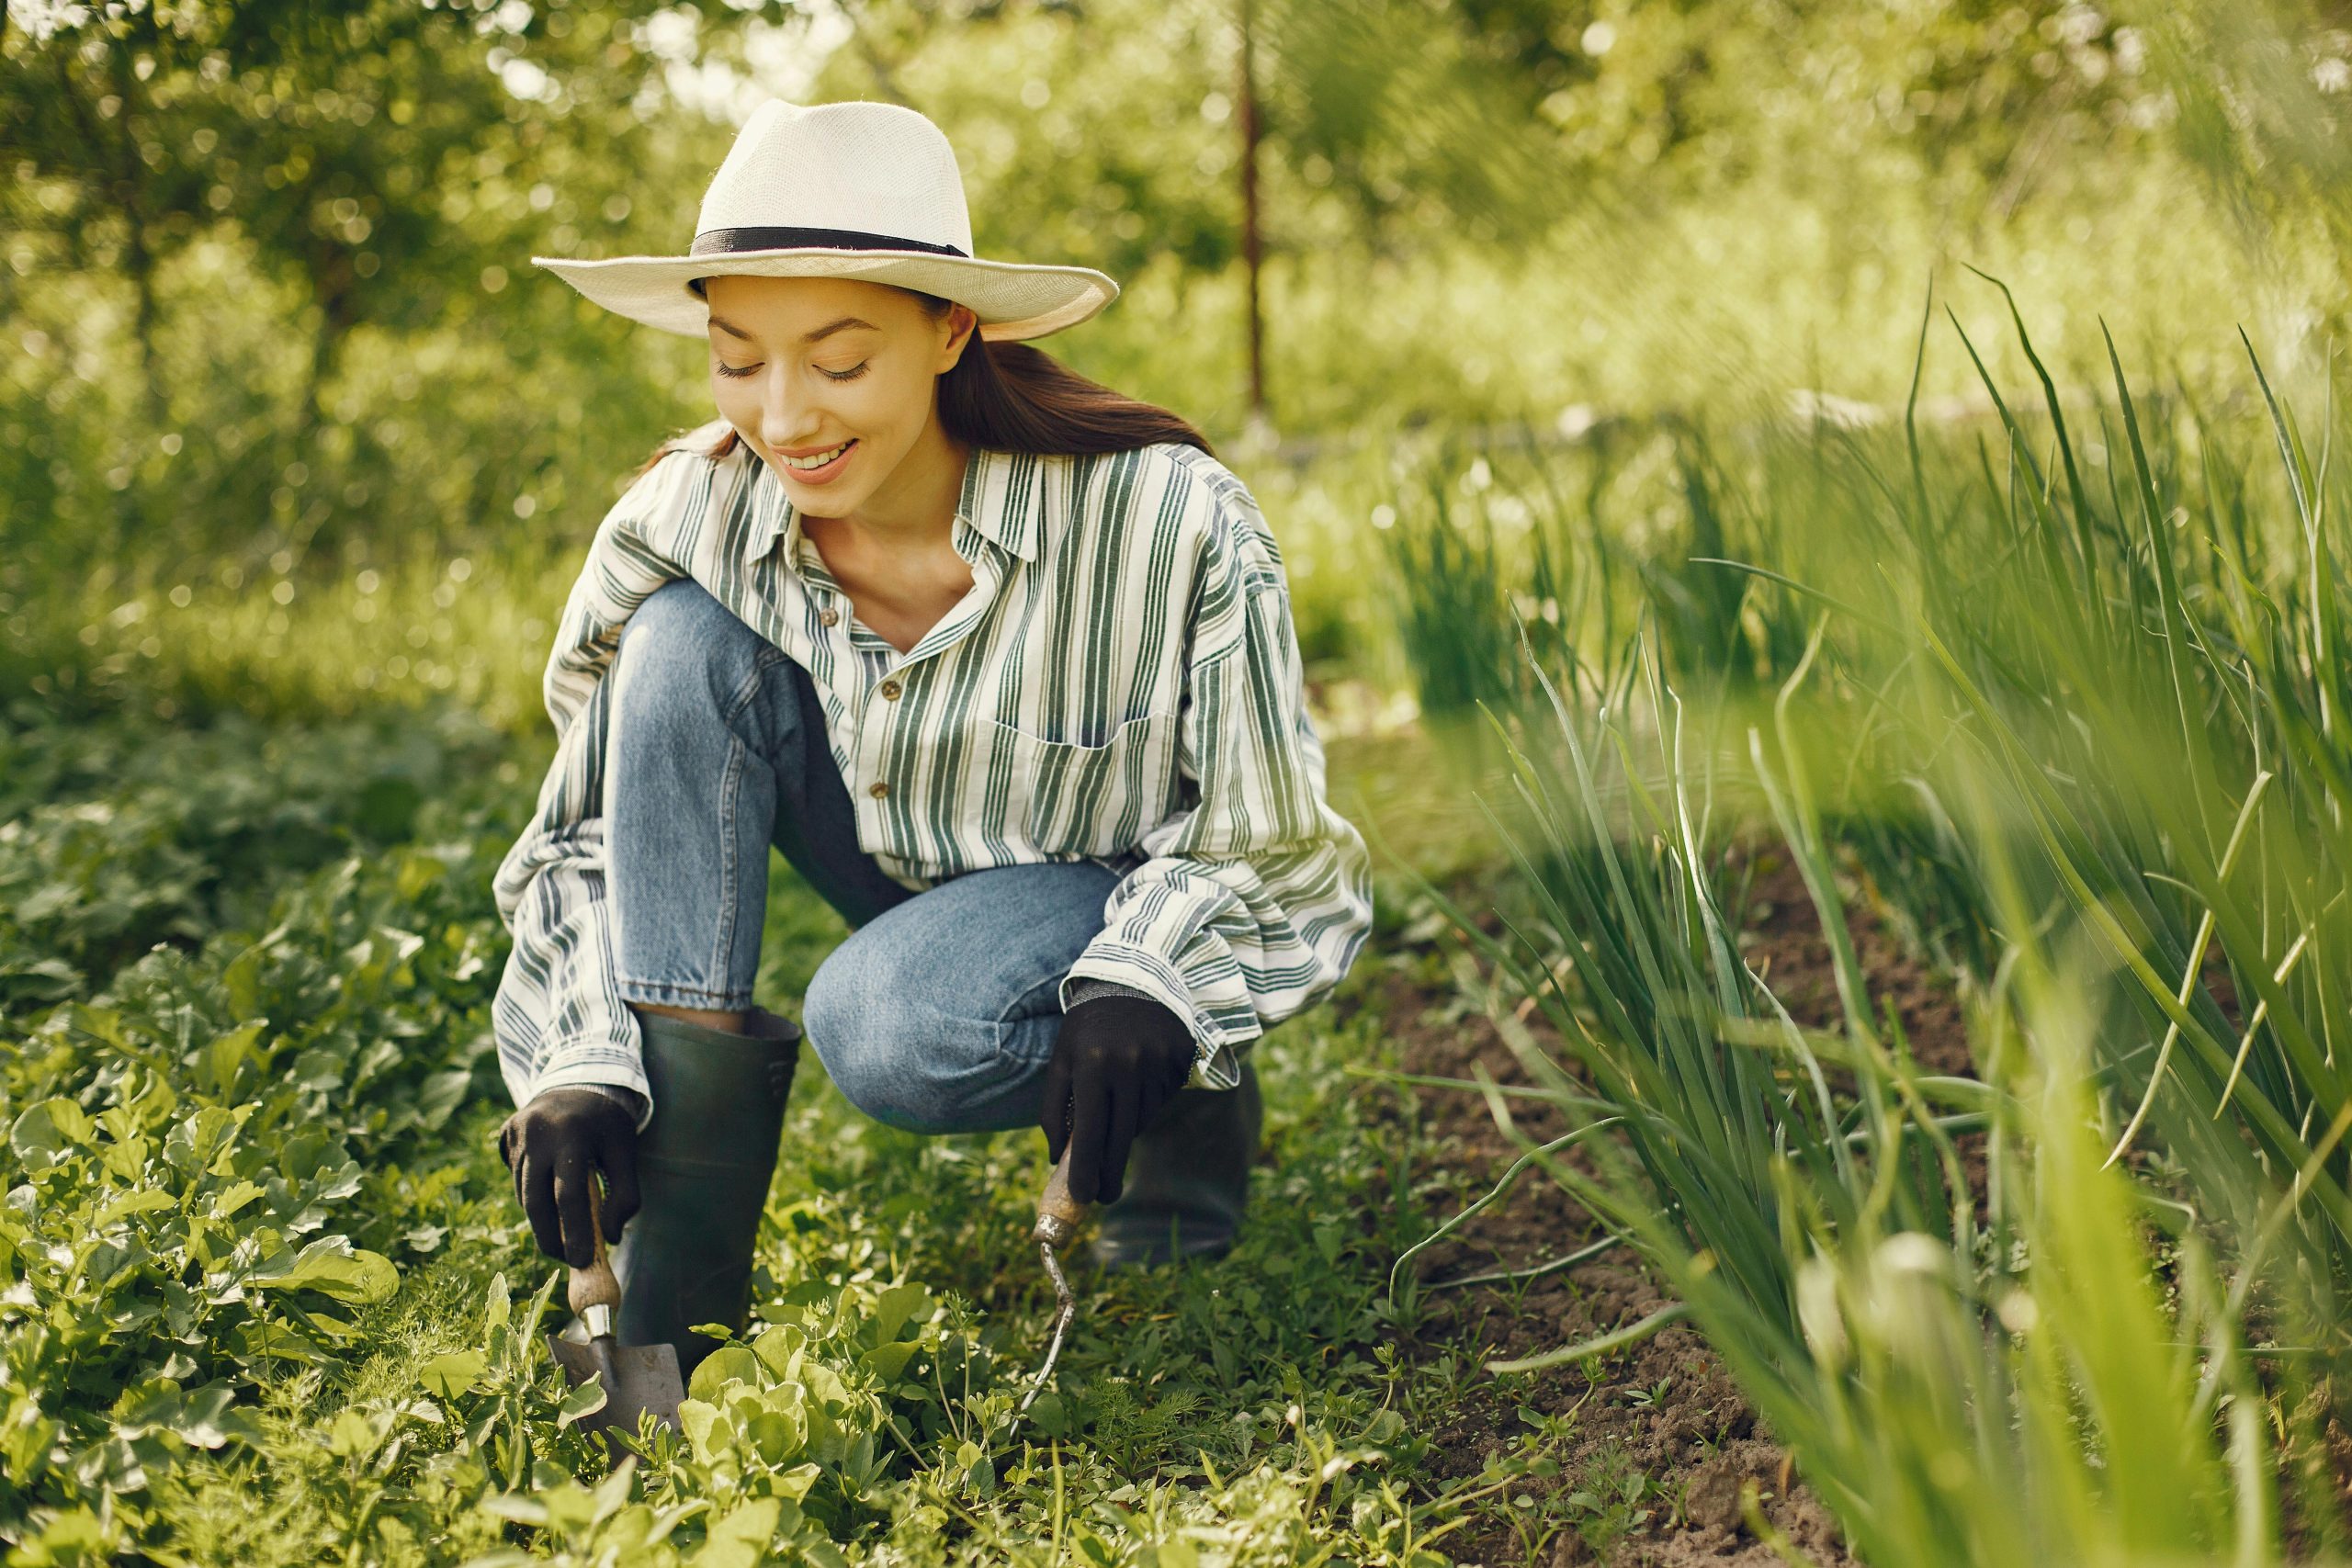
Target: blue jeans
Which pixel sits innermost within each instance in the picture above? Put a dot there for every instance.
(939, 1010)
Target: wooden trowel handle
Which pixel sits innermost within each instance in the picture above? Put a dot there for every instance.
(595, 1286)
(1058, 1214)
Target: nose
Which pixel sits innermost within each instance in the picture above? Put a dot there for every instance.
(786, 418)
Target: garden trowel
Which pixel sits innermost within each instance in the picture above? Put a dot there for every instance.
(634, 1376)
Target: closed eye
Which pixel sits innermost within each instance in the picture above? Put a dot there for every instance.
(730, 370)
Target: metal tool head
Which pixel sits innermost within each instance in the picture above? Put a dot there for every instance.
(635, 1377)
(1059, 1218)
(1066, 1304)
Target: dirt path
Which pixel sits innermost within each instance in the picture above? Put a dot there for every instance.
(1660, 1444)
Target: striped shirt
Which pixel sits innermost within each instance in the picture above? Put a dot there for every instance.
(1122, 684)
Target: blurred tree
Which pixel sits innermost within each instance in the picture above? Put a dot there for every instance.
(2265, 95)
(390, 137)
(1423, 119)
(388, 161)
(301, 233)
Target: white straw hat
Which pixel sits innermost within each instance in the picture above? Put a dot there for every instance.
(862, 190)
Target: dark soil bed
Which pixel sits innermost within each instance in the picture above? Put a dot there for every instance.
(1660, 1442)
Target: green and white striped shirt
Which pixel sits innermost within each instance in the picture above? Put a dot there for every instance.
(1121, 684)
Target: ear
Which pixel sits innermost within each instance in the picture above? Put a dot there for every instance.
(963, 322)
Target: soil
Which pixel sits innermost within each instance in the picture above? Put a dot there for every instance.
(1665, 1410)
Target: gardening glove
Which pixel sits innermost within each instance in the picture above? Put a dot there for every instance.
(1117, 1059)
(554, 1145)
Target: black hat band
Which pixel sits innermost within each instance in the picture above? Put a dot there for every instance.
(730, 242)
(723, 241)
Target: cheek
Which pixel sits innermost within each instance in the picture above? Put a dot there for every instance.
(883, 402)
(732, 395)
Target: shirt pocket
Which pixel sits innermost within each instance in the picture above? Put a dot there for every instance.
(1072, 798)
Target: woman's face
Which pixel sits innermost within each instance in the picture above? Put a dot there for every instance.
(804, 367)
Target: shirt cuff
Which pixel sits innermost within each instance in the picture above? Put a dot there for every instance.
(623, 1079)
(629, 1099)
(1086, 987)
(1217, 1060)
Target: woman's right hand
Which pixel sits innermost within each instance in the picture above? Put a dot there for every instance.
(553, 1145)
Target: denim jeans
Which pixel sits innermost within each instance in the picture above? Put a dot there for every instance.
(939, 1010)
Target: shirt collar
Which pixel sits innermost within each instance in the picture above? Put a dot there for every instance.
(1002, 499)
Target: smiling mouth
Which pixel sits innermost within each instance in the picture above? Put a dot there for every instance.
(821, 460)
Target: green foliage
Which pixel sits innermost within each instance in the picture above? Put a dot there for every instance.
(292, 441)
(111, 844)
(268, 300)
(199, 1157)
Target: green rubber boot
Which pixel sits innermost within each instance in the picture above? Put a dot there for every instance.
(703, 1166)
(1188, 1179)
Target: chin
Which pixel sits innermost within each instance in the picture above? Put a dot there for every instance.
(818, 503)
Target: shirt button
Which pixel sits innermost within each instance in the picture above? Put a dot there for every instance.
(828, 616)
(890, 690)
(877, 789)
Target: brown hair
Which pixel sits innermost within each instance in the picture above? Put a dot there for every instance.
(1014, 398)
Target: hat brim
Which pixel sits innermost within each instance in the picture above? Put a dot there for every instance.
(1013, 300)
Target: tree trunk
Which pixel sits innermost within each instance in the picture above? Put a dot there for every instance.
(139, 265)
(1251, 254)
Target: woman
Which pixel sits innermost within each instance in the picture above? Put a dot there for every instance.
(1002, 661)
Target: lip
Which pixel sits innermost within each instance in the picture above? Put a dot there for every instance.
(824, 475)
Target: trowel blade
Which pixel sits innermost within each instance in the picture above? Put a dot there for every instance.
(648, 1375)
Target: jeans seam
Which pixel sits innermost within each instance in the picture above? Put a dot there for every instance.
(730, 778)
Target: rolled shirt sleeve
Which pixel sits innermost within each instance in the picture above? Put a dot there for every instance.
(559, 1016)
(1256, 896)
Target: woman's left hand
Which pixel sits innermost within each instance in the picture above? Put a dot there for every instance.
(1116, 1062)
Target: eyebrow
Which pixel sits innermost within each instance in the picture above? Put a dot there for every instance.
(824, 332)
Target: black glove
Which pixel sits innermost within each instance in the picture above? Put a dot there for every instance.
(553, 1145)
(1117, 1061)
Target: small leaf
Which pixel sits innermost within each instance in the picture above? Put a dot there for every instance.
(899, 1305)
(332, 1266)
(144, 1200)
(206, 1421)
(520, 1507)
(48, 1134)
(357, 1434)
(888, 1360)
(1051, 1417)
(776, 1345)
(235, 1196)
(586, 1399)
(729, 1363)
(454, 1372)
(740, 1539)
(699, 1421)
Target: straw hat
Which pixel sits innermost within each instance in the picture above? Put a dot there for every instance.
(862, 190)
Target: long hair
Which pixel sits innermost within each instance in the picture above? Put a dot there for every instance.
(1015, 398)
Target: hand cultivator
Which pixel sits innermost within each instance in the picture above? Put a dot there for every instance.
(1059, 1218)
